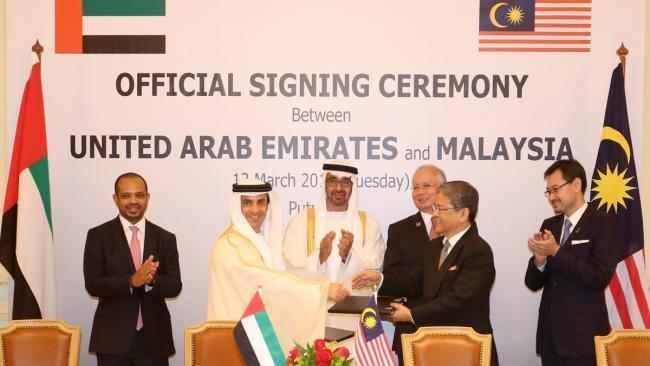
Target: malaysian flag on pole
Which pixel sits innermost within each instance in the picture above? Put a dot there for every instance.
(370, 343)
(535, 26)
(615, 190)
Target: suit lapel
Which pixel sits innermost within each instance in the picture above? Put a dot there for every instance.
(150, 241)
(584, 221)
(420, 226)
(557, 225)
(452, 258)
(556, 228)
(122, 243)
(436, 274)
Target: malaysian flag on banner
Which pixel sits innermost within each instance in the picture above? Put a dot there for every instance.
(615, 190)
(370, 343)
(535, 26)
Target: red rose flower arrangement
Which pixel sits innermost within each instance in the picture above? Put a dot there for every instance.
(320, 353)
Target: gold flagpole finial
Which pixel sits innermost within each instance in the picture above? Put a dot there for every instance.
(622, 53)
(38, 49)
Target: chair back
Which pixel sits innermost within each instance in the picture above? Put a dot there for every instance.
(212, 343)
(39, 343)
(624, 347)
(446, 346)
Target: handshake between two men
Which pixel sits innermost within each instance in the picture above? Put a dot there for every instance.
(362, 280)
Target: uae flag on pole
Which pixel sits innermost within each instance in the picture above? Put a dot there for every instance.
(26, 246)
(256, 338)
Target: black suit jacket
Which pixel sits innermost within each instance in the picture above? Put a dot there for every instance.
(107, 270)
(457, 294)
(572, 310)
(406, 245)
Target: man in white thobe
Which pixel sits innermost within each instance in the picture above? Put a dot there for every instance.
(247, 256)
(334, 240)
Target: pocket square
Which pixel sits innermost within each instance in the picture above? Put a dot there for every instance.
(452, 268)
(575, 242)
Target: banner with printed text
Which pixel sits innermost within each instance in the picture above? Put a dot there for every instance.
(197, 94)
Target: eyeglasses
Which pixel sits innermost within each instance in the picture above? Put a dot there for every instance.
(555, 189)
(437, 208)
(423, 187)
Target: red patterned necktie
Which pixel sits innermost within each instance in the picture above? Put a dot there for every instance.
(432, 232)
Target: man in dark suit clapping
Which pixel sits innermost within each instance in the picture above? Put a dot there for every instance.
(574, 258)
(131, 265)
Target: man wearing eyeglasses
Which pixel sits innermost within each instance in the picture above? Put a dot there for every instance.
(458, 271)
(406, 245)
(334, 239)
(573, 261)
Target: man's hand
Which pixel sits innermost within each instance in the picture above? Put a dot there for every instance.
(336, 292)
(366, 279)
(146, 273)
(543, 245)
(400, 313)
(345, 244)
(326, 247)
(539, 260)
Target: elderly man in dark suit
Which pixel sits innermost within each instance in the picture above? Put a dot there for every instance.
(132, 324)
(574, 258)
(458, 270)
(407, 242)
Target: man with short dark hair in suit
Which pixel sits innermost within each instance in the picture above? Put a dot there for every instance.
(406, 245)
(458, 268)
(131, 265)
(573, 260)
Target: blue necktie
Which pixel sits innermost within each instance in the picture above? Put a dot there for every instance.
(566, 231)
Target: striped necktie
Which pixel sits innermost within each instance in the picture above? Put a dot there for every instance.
(566, 231)
(446, 244)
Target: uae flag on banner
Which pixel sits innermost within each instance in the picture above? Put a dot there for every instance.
(26, 247)
(256, 338)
